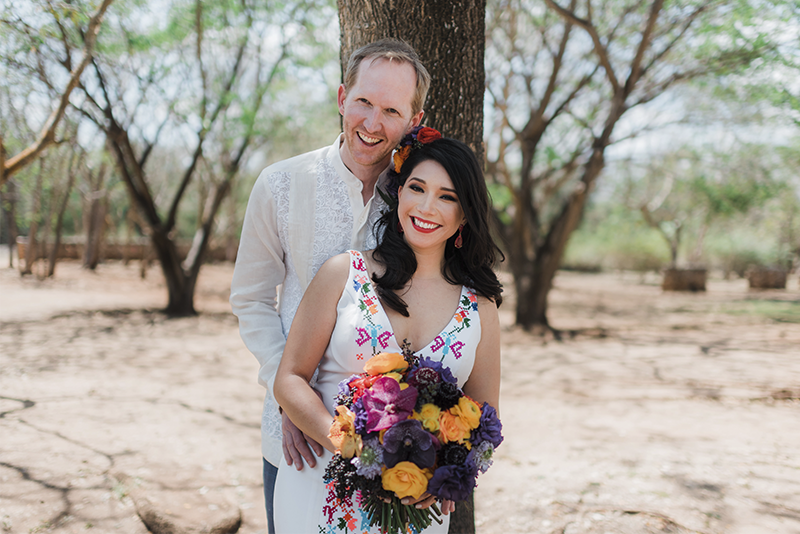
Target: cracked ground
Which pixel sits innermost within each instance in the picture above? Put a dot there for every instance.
(657, 412)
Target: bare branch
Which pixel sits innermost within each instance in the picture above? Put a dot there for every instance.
(47, 134)
(222, 104)
(644, 44)
(601, 51)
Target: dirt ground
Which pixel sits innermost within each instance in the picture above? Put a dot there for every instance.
(658, 412)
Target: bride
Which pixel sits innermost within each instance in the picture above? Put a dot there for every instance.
(428, 286)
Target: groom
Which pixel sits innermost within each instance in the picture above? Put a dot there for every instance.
(308, 208)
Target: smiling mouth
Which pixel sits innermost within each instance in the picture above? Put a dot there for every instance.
(424, 225)
(367, 139)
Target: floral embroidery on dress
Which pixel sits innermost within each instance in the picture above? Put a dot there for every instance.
(447, 341)
(345, 515)
(372, 334)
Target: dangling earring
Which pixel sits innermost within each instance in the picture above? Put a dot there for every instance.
(399, 228)
(459, 242)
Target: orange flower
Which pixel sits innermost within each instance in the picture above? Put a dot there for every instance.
(406, 480)
(385, 362)
(453, 427)
(343, 433)
(400, 156)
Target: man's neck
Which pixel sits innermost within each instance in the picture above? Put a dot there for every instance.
(368, 176)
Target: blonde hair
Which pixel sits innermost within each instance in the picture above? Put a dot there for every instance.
(391, 49)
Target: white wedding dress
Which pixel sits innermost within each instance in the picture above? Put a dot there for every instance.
(303, 503)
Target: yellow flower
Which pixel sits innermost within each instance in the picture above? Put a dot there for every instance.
(468, 410)
(396, 376)
(428, 415)
(385, 362)
(406, 480)
(343, 433)
(452, 427)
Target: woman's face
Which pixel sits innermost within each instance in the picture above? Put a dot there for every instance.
(428, 207)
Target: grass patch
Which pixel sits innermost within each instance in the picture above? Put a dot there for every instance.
(776, 310)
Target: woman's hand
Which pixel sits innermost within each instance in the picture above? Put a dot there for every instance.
(427, 500)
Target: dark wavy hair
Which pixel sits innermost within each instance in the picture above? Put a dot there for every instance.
(472, 264)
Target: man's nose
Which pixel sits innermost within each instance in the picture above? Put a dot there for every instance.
(372, 121)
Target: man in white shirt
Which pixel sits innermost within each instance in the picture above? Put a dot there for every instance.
(308, 208)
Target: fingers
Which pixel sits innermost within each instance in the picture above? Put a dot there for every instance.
(314, 445)
(425, 501)
(448, 506)
(296, 446)
(291, 437)
(303, 451)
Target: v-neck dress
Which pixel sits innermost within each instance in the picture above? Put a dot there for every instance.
(303, 503)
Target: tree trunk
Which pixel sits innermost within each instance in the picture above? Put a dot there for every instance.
(53, 259)
(449, 38)
(9, 201)
(32, 248)
(94, 220)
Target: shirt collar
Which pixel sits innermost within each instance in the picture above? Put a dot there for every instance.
(349, 178)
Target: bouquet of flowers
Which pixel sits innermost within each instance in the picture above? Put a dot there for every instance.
(403, 428)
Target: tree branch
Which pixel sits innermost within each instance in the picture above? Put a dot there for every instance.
(644, 44)
(47, 134)
(601, 51)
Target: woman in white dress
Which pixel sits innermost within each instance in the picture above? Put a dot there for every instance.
(428, 286)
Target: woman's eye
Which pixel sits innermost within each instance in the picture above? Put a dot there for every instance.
(416, 188)
(451, 198)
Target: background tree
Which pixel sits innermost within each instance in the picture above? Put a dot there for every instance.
(47, 133)
(562, 78)
(205, 80)
(692, 191)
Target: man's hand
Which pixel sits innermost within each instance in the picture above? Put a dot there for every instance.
(296, 445)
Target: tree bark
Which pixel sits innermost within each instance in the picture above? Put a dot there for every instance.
(53, 259)
(449, 38)
(32, 248)
(9, 201)
(95, 218)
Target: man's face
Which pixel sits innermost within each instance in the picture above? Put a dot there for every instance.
(377, 114)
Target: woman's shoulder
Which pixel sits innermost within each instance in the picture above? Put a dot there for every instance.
(335, 268)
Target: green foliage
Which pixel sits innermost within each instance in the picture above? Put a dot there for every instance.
(613, 238)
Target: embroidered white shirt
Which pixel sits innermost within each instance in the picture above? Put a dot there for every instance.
(268, 257)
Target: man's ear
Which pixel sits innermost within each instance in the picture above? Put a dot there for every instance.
(416, 120)
(341, 97)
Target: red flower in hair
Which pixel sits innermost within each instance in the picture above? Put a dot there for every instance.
(426, 135)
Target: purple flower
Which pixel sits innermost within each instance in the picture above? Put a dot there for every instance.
(386, 404)
(490, 428)
(480, 457)
(370, 463)
(408, 441)
(360, 423)
(454, 482)
(439, 367)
